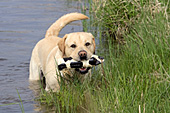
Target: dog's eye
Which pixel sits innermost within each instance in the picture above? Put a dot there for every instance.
(87, 44)
(73, 46)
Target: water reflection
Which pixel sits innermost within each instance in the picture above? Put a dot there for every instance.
(38, 106)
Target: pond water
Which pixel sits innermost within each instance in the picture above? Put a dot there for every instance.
(22, 24)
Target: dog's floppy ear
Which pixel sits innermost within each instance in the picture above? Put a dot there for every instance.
(61, 44)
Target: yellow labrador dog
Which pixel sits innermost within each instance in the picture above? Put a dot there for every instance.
(79, 45)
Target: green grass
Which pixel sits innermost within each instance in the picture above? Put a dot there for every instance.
(21, 104)
(136, 75)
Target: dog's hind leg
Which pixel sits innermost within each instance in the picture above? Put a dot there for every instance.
(34, 71)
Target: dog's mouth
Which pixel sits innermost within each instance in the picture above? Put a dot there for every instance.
(83, 70)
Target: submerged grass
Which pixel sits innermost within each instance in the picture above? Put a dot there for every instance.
(135, 76)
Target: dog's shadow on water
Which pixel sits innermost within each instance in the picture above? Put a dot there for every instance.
(36, 87)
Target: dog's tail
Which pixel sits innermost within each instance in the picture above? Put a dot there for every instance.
(56, 27)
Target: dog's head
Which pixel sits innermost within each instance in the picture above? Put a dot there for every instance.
(80, 46)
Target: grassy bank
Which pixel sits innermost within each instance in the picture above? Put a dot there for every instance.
(136, 75)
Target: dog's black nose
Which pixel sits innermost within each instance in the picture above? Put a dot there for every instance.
(82, 54)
